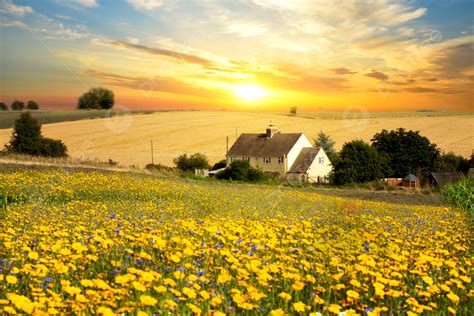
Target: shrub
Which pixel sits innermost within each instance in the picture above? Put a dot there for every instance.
(153, 167)
(52, 148)
(26, 139)
(3, 107)
(190, 163)
(460, 194)
(241, 170)
(293, 110)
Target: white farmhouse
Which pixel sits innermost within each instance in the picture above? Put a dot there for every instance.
(286, 155)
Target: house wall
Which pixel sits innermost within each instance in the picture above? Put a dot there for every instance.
(317, 171)
(257, 162)
(302, 142)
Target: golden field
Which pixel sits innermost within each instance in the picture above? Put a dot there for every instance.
(126, 139)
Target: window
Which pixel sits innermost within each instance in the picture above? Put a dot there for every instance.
(321, 160)
(281, 160)
(246, 159)
(232, 159)
(267, 160)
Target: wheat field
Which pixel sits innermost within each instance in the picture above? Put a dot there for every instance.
(127, 139)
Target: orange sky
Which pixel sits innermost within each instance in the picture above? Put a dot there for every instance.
(243, 55)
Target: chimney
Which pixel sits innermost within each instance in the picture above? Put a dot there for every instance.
(271, 130)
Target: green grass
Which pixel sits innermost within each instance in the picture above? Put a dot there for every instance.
(7, 118)
(461, 194)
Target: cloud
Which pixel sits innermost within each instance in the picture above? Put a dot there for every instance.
(85, 3)
(407, 16)
(456, 61)
(342, 71)
(145, 4)
(14, 24)
(193, 59)
(377, 75)
(8, 6)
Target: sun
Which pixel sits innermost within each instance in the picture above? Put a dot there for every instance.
(250, 92)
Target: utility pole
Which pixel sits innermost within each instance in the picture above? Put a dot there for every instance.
(236, 133)
(152, 162)
(227, 146)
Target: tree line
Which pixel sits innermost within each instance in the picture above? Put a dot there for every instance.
(391, 154)
(19, 105)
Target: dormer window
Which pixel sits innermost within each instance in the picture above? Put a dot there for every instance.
(281, 159)
(267, 160)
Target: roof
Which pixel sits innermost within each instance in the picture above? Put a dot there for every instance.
(411, 177)
(258, 145)
(304, 160)
(443, 178)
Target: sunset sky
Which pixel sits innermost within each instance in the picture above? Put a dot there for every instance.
(318, 55)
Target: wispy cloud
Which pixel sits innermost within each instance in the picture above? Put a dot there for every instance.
(342, 71)
(377, 75)
(7, 6)
(146, 4)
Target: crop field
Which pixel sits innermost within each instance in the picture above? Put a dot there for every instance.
(127, 139)
(95, 243)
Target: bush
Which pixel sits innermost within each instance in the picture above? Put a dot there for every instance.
(3, 107)
(460, 194)
(195, 161)
(17, 105)
(26, 139)
(153, 167)
(52, 148)
(97, 98)
(32, 105)
(240, 170)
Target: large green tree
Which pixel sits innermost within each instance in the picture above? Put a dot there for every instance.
(406, 151)
(358, 162)
(97, 98)
(451, 162)
(190, 163)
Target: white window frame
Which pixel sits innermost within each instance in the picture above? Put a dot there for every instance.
(321, 160)
(281, 160)
(267, 160)
(232, 158)
(246, 158)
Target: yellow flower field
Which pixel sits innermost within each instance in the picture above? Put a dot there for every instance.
(95, 243)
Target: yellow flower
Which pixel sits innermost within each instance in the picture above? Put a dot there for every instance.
(453, 297)
(160, 289)
(277, 312)
(299, 307)
(148, 300)
(190, 293)
(204, 294)
(196, 310)
(428, 280)
(334, 308)
(105, 311)
(138, 286)
(33, 255)
(11, 279)
(298, 286)
(284, 296)
(352, 294)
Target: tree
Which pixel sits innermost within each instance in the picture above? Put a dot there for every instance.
(195, 161)
(32, 105)
(17, 105)
(3, 107)
(241, 170)
(26, 139)
(451, 162)
(325, 142)
(358, 163)
(293, 110)
(406, 151)
(26, 136)
(97, 98)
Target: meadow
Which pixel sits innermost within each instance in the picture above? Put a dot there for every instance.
(107, 243)
(126, 139)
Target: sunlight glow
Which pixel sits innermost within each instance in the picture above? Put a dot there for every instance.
(250, 92)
